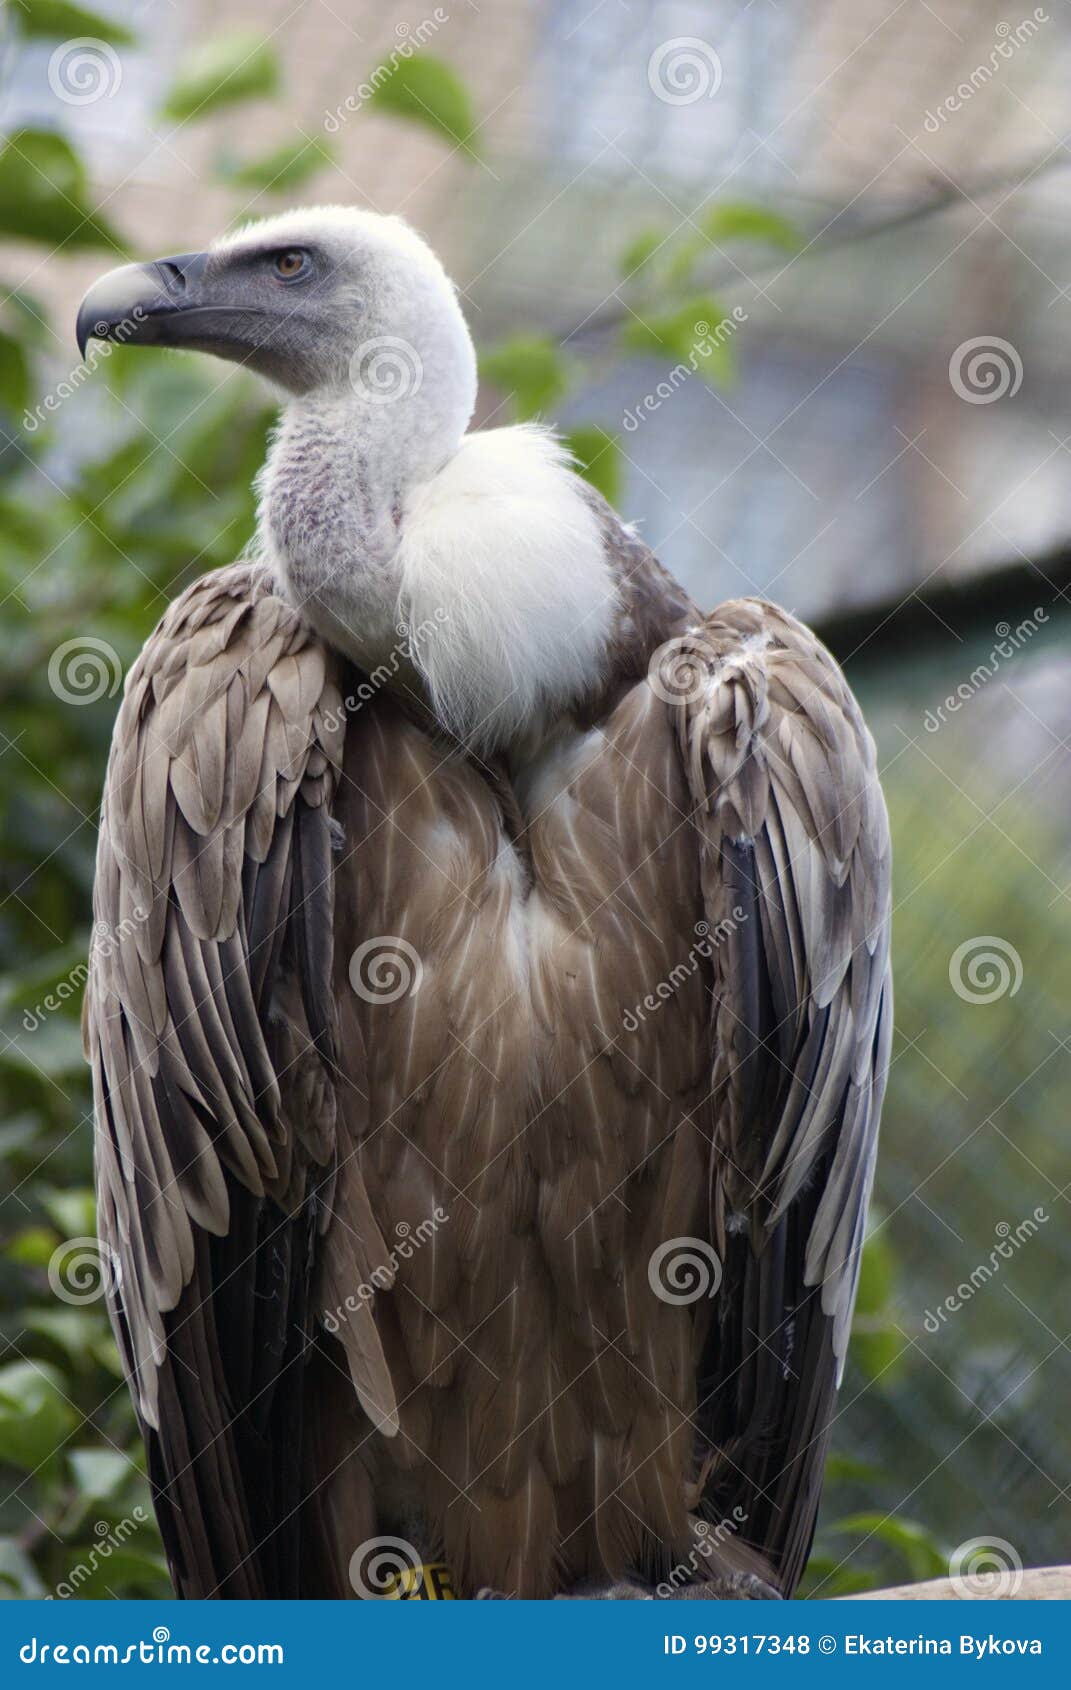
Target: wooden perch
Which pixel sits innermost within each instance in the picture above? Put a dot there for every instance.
(1033, 1584)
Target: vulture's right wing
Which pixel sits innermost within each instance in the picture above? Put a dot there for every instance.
(795, 870)
(221, 1117)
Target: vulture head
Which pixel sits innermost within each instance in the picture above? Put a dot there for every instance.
(318, 301)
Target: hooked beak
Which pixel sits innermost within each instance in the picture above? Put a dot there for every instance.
(161, 304)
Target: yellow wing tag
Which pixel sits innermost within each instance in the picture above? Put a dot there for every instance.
(429, 1582)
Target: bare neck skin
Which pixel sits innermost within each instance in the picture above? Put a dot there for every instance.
(341, 469)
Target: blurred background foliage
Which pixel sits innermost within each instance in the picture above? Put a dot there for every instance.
(106, 517)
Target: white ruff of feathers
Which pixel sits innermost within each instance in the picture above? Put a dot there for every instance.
(377, 514)
(503, 541)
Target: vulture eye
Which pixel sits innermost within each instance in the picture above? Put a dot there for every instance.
(290, 265)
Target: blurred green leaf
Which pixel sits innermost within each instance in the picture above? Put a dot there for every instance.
(35, 1414)
(426, 90)
(280, 170)
(61, 19)
(221, 72)
(43, 193)
(876, 1340)
(530, 370)
(32, 1247)
(75, 1332)
(91, 1574)
(697, 333)
(74, 1213)
(738, 220)
(18, 1576)
(639, 252)
(98, 1473)
(598, 459)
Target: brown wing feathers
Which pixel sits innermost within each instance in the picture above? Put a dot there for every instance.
(795, 865)
(211, 1030)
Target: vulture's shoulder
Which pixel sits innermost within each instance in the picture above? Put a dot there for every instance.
(232, 694)
(766, 715)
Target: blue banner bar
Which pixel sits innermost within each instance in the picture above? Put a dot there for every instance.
(544, 1645)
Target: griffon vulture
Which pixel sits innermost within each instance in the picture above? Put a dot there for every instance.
(488, 1069)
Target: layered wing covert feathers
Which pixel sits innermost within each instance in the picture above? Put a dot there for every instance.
(210, 1027)
(795, 863)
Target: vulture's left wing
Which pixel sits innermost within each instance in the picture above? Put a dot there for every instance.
(795, 871)
(221, 1117)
